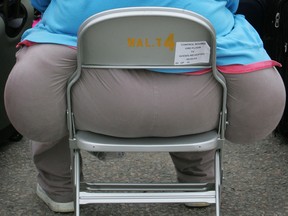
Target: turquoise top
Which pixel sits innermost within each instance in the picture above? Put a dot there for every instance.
(237, 41)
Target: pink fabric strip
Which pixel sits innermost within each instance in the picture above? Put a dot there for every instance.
(25, 43)
(35, 22)
(239, 69)
(30, 43)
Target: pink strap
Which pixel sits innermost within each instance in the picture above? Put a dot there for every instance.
(239, 69)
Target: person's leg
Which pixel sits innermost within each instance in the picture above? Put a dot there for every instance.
(194, 166)
(54, 182)
(36, 105)
(52, 161)
(35, 92)
(255, 105)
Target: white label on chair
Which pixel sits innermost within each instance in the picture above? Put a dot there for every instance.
(191, 53)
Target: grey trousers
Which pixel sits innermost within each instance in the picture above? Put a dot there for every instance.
(131, 103)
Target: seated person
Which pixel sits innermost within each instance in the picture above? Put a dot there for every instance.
(136, 103)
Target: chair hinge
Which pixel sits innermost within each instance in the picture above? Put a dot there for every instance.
(73, 143)
(222, 126)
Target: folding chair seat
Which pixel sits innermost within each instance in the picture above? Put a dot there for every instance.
(114, 39)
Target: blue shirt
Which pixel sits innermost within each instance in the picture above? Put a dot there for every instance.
(237, 41)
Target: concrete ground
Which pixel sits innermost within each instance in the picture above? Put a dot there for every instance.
(255, 181)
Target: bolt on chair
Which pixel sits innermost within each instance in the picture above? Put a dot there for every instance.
(146, 37)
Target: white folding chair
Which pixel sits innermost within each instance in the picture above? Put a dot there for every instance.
(146, 37)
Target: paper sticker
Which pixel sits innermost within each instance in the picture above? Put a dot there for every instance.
(191, 53)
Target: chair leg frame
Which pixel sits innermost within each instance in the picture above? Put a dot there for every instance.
(76, 180)
(160, 198)
(218, 181)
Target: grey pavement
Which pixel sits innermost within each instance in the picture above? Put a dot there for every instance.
(255, 181)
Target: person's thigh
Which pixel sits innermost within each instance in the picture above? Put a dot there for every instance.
(35, 91)
(256, 102)
(140, 103)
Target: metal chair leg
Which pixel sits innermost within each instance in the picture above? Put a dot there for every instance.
(218, 182)
(76, 178)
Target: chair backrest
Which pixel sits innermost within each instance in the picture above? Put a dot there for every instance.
(147, 37)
